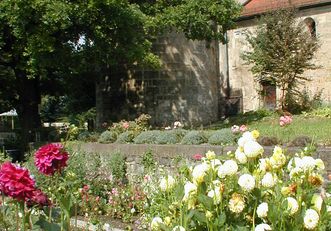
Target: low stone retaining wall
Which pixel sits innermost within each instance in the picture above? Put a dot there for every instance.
(165, 154)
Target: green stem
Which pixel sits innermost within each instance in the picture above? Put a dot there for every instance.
(253, 228)
(22, 207)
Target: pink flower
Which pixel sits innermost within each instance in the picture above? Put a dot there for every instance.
(243, 128)
(147, 178)
(38, 198)
(285, 120)
(235, 129)
(126, 125)
(16, 182)
(197, 156)
(51, 158)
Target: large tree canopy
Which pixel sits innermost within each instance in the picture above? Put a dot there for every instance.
(43, 42)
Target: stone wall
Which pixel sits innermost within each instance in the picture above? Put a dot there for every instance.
(166, 154)
(242, 79)
(186, 88)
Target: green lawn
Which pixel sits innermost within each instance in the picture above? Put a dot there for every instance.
(315, 124)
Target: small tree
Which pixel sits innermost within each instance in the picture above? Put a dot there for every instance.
(282, 49)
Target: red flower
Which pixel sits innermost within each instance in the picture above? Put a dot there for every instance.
(38, 198)
(16, 182)
(51, 158)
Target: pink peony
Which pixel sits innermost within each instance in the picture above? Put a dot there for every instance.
(51, 158)
(38, 198)
(243, 128)
(16, 182)
(126, 125)
(197, 156)
(285, 120)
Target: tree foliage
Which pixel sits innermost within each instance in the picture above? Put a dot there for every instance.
(43, 42)
(282, 49)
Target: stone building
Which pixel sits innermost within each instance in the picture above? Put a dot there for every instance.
(317, 13)
(200, 82)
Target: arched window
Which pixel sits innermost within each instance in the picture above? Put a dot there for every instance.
(311, 26)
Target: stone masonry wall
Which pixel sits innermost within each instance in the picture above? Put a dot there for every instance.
(187, 86)
(241, 77)
(166, 154)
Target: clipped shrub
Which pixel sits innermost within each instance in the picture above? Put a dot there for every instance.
(180, 133)
(194, 137)
(107, 137)
(167, 137)
(147, 137)
(222, 137)
(126, 137)
(87, 136)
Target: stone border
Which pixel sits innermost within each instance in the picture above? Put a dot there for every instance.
(163, 153)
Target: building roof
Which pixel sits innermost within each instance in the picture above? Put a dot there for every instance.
(255, 7)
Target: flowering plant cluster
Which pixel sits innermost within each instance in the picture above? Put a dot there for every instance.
(285, 120)
(138, 125)
(176, 125)
(238, 129)
(51, 158)
(246, 190)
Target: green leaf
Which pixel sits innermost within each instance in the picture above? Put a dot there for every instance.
(206, 201)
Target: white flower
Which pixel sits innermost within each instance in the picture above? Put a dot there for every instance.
(167, 183)
(310, 219)
(247, 182)
(107, 227)
(247, 136)
(319, 164)
(294, 162)
(262, 227)
(253, 149)
(308, 163)
(189, 189)
(236, 203)
(263, 164)
(215, 163)
(262, 210)
(216, 195)
(296, 172)
(177, 124)
(210, 155)
(240, 156)
(178, 228)
(229, 168)
(199, 172)
(292, 205)
(133, 210)
(155, 224)
(317, 202)
(167, 128)
(268, 180)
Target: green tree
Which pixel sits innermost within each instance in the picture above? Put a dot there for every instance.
(43, 42)
(282, 49)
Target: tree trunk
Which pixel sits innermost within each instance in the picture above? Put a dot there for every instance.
(28, 113)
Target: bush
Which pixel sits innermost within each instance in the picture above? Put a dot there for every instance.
(194, 137)
(126, 137)
(87, 136)
(107, 137)
(221, 137)
(147, 137)
(167, 137)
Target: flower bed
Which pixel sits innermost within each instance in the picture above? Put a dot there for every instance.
(240, 190)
